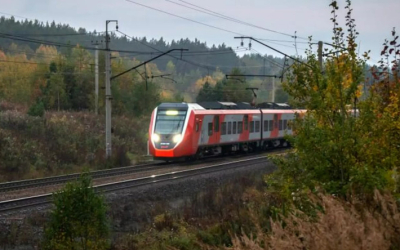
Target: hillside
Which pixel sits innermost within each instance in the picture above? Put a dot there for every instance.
(199, 57)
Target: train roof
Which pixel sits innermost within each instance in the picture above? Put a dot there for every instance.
(173, 105)
(225, 106)
(243, 105)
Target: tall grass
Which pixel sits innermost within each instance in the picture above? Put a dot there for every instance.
(64, 142)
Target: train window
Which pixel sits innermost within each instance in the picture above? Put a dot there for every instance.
(229, 128)
(284, 124)
(265, 125)
(210, 128)
(251, 126)
(271, 125)
(223, 128)
(257, 126)
(280, 125)
(240, 127)
(234, 128)
(216, 123)
(289, 123)
(246, 122)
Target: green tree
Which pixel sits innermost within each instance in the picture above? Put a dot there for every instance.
(170, 68)
(281, 96)
(78, 220)
(206, 93)
(228, 90)
(332, 148)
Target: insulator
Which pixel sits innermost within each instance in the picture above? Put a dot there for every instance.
(250, 45)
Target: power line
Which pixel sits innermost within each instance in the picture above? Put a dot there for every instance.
(216, 14)
(191, 20)
(57, 44)
(184, 60)
(15, 15)
(15, 52)
(65, 34)
(280, 52)
(31, 40)
(44, 74)
(284, 45)
(8, 61)
(191, 53)
(269, 60)
(187, 19)
(208, 67)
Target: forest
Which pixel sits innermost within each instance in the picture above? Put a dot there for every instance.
(48, 123)
(188, 71)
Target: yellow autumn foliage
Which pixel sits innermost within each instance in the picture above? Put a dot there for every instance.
(200, 83)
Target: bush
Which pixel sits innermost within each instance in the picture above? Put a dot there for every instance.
(79, 218)
(36, 109)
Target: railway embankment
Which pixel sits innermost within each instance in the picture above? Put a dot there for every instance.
(134, 209)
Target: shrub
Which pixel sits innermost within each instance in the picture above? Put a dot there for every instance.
(36, 109)
(78, 220)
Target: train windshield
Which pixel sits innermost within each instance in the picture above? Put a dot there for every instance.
(170, 122)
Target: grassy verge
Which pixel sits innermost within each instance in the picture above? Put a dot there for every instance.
(64, 142)
(247, 215)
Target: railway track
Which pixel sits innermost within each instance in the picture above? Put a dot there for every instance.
(61, 179)
(25, 184)
(10, 205)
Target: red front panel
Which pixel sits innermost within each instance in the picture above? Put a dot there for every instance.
(188, 145)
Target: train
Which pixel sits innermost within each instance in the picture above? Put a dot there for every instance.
(195, 130)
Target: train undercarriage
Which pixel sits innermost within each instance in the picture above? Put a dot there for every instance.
(231, 149)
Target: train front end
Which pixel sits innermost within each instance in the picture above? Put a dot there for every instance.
(170, 136)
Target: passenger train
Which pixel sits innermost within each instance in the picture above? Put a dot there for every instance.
(194, 130)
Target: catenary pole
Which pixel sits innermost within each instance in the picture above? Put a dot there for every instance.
(96, 77)
(320, 54)
(108, 92)
(273, 89)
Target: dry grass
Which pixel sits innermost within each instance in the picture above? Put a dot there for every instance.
(64, 142)
(344, 225)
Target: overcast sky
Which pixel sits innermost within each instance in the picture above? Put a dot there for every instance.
(375, 19)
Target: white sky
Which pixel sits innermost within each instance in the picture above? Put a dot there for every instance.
(375, 19)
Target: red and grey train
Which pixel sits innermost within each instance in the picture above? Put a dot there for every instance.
(193, 130)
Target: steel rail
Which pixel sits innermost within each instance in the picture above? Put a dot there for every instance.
(32, 201)
(60, 179)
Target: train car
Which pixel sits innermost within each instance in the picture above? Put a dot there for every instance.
(194, 130)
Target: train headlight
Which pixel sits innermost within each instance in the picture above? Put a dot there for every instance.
(177, 138)
(155, 138)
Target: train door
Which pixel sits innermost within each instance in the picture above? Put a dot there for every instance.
(276, 122)
(215, 138)
(210, 130)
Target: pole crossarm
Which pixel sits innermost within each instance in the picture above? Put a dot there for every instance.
(280, 52)
(170, 79)
(143, 63)
(252, 89)
(162, 76)
(275, 76)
